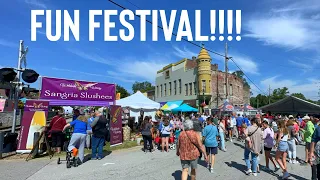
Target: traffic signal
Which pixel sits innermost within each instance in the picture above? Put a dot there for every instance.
(30, 76)
(7, 74)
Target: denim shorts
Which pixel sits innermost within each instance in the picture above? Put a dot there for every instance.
(283, 146)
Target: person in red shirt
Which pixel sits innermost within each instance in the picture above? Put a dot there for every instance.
(56, 127)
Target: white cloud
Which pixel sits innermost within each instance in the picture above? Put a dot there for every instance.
(184, 53)
(36, 3)
(8, 44)
(308, 87)
(93, 74)
(145, 69)
(91, 57)
(304, 67)
(291, 27)
(245, 63)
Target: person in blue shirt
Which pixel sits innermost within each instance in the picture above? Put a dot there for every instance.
(246, 120)
(240, 121)
(210, 134)
(89, 130)
(78, 139)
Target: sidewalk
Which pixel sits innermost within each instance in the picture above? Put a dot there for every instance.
(134, 164)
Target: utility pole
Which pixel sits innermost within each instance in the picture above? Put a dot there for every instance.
(22, 58)
(226, 69)
(269, 93)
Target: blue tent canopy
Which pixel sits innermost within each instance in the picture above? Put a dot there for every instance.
(185, 108)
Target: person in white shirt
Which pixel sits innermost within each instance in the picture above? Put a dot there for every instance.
(234, 125)
(230, 127)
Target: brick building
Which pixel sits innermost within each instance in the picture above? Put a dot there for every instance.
(197, 80)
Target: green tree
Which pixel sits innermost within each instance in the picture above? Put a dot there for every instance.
(240, 75)
(259, 101)
(279, 94)
(123, 92)
(299, 95)
(142, 87)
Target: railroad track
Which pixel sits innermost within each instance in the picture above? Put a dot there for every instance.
(8, 128)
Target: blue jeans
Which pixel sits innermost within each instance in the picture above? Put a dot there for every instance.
(222, 142)
(254, 158)
(97, 143)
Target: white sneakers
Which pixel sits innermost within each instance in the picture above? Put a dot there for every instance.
(248, 172)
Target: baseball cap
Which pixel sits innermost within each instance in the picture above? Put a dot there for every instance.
(290, 116)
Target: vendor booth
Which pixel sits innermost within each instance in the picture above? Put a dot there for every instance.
(184, 108)
(292, 105)
(137, 102)
(63, 92)
(171, 105)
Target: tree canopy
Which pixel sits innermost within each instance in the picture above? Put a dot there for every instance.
(240, 75)
(142, 86)
(277, 94)
(123, 92)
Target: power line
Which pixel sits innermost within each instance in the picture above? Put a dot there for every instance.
(216, 53)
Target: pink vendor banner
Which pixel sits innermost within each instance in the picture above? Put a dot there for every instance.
(34, 120)
(116, 125)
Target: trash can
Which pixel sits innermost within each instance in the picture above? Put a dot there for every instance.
(10, 142)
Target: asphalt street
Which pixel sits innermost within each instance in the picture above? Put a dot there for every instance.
(135, 164)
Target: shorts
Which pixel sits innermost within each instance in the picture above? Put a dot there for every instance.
(212, 150)
(283, 146)
(229, 128)
(57, 138)
(267, 149)
(189, 163)
(308, 146)
(165, 135)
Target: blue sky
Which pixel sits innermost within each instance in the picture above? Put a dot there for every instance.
(279, 46)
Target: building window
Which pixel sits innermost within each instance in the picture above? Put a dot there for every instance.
(180, 88)
(186, 85)
(210, 85)
(157, 91)
(161, 90)
(190, 85)
(167, 74)
(231, 92)
(165, 89)
(170, 89)
(175, 87)
(203, 86)
(238, 89)
(195, 88)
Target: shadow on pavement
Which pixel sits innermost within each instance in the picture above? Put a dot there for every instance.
(177, 175)
(88, 156)
(238, 166)
(239, 145)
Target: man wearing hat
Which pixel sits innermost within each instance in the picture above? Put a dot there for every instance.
(309, 130)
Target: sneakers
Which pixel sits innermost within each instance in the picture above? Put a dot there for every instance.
(208, 165)
(285, 175)
(295, 162)
(74, 152)
(290, 161)
(211, 170)
(254, 174)
(231, 140)
(248, 172)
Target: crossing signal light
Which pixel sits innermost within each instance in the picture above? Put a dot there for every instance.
(7, 74)
(30, 76)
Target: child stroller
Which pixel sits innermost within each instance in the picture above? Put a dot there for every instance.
(70, 160)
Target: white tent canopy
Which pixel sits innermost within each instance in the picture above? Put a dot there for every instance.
(292, 104)
(138, 101)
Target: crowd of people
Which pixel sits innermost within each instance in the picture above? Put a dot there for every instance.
(89, 131)
(202, 136)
